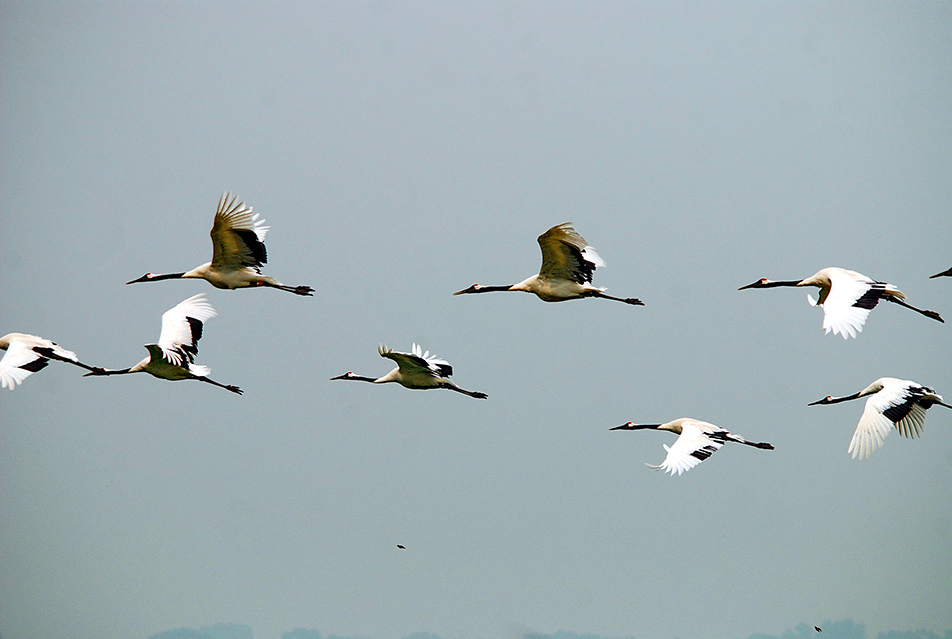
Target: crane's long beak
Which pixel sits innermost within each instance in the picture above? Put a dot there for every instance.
(139, 279)
(835, 400)
(751, 285)
(97, 370)
(471, 289)
(633, 426)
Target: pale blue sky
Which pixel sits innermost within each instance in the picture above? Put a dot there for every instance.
(400, 152)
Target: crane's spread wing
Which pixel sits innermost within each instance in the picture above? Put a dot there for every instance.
(566, 255)
(691, 448)
(897, 405)
(871, 431)
(417, 362)
(182, 328)
(852, 296)
(237, 236)
(19, 362)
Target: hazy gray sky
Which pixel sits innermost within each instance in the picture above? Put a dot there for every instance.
(400, 152)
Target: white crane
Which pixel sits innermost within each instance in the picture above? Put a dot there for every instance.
(174, 356)
(947, 273)
(892, 403)
(568, 263)
(415, 370)
(238, 252)
(696, 442)
(847, 297)
(27, 354)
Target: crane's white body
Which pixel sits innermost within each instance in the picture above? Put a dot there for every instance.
(238, 252)
(568, 264)
(27, 354)
(899, 404)
(847, 297)
(696, 442)
(173, 356)
(415, 370)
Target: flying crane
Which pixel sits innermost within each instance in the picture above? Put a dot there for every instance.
(847, 297)
(173, 357)
(568, 263)
(893, 403)
(238, 252)
(696, 442)
(415, 370)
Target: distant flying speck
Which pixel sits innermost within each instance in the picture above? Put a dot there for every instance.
(697, 441)
(173, 357)
(892, 403)
(237, 252)
(568, 263)
(401, 547)
(27, 354)
(415, 370)
(817, 628)
(847, 297)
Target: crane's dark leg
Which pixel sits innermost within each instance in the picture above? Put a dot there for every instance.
(233, 389)
(49, 354)
(627, 300)
(929, 314)
(297, 290)
(475, 394)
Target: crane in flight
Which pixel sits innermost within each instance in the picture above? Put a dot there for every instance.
(173, 357)
(696, 442)
(893, 403)
(238, 252)
(847, 297)
(27, 354)
(568, 263)
(415, 370)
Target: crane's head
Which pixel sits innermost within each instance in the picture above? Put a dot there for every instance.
(152, 277)
(634, 426)
(472, 289)
(144, 278)
(761, 283)
(347, 375)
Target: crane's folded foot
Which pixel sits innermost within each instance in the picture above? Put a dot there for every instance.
(234, 389)
(634, 301)
(934, 316)
(304, 290)
(479, 395)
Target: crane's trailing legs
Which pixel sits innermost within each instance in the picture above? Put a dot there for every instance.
(627, 300)
(297, 290)
(930, 314)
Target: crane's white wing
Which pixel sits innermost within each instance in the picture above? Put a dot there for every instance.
(852, 296)
(567, 256)
(416, 362)
(237, 236)
(182, 328)
(440, 367)
(871, 431)
(19, 362)
(896, 405)
(691, 448)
